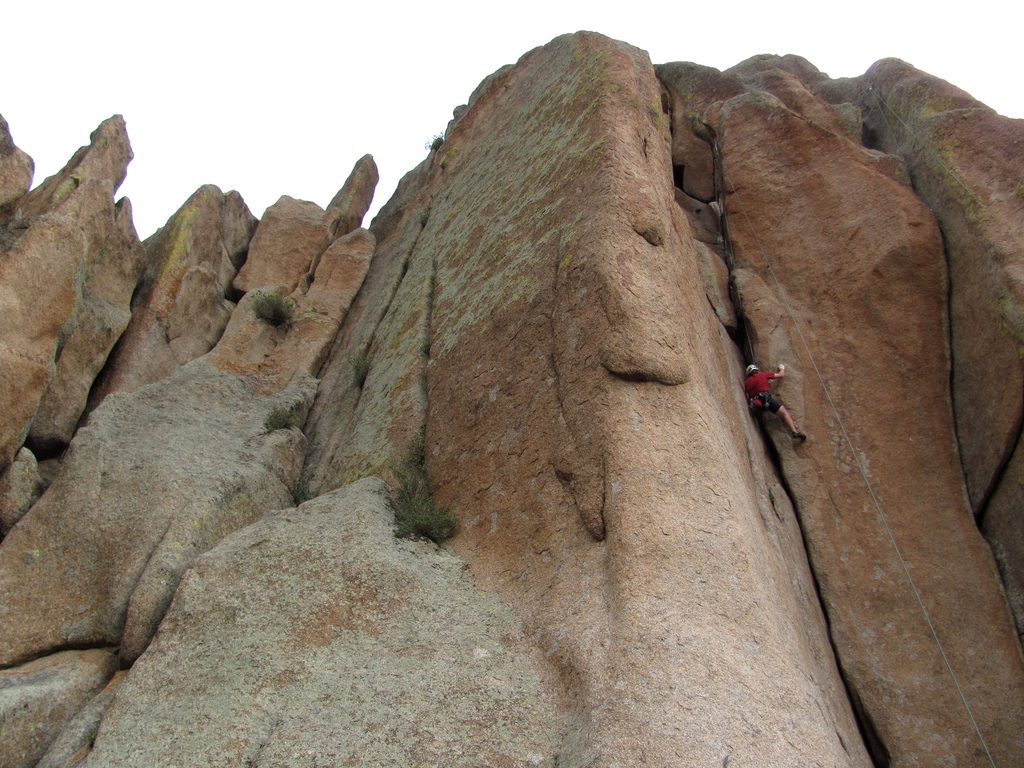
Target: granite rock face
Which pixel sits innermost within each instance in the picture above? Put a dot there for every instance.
(839, 270)
(967, 165)
(293, 234)
(41, 277)
(20, 486)
(562, 296)
(16, 169)
(182, 305)
(526, 297)
(317, 637)
(159, 475)
(71, 272)
(39, 698)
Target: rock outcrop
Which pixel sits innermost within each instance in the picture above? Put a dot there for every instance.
(20, 487)
(182, 305)
(70, 275)
(553, 282)
(316, 637)
(16, 169)
(855, 320)
(38, 699)
(976, 189)
(559, 300)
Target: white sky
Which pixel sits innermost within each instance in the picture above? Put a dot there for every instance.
(283, 97)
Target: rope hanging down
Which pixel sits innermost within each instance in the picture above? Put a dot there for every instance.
(876, 502)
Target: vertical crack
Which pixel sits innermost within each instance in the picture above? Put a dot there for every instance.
(865, 724)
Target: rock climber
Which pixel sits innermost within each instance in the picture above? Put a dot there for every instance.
(758, 389)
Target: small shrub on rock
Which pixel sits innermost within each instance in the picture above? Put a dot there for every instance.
(416, 513)
(272, 308)
(284, 417)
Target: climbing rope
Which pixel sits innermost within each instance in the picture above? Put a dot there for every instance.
(863, 473)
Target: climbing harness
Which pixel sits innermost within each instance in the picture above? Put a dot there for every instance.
(876, 502)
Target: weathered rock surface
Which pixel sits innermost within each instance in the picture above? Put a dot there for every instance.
(20, 486)
(967, 164)
(346, 211)
(356, 428)
(16, 169)
(104, 159)
(76, 738)
(40, 291)
(39, 698)
(316, 637)
(155, 478)
(564, 293)
(294, 234)
(111, 274)
(289, 236)
(68, 327)
(179, 464)
(181, 308)
(561, 324)
(870, 316)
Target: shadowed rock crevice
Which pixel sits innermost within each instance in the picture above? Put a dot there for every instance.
(1001, 468)
(356, 431)
(741, 337)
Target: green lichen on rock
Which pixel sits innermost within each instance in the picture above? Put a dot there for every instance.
(64, 190)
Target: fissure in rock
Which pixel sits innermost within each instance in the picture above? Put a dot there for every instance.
(741, 338)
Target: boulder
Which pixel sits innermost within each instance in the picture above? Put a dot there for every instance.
(182, 304)
(840, 273)
(20, 487)
(39, 698)
(111, 274)
(294, 234)
(291, 234)
(16, 169)
(76, 738)
(41, 278)
(346, 211)
(315, 636)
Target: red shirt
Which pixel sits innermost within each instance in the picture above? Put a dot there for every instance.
(758, 383)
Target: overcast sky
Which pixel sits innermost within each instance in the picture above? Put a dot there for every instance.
(282, 98)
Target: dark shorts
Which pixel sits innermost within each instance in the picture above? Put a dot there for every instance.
(765, 401)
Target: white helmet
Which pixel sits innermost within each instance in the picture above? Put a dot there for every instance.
(752, 369)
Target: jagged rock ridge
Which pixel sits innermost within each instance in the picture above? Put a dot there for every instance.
(564, 293)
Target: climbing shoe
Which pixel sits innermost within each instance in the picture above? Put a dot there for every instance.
(799, 436)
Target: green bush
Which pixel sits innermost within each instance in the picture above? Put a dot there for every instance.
(284, 417)
(416, 514)
(360, 369)
(434, 142)
(272, 308)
